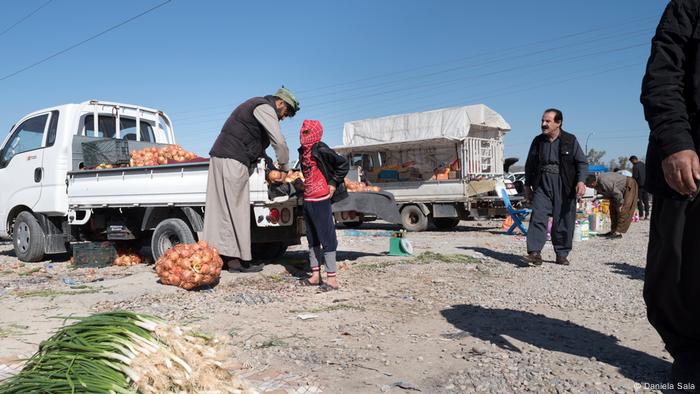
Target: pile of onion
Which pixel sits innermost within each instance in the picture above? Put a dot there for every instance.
(153, 156)
(189, 265)
(356, 187)
(127, 259)
(274, 176)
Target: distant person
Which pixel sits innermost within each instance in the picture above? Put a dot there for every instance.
(554, 173)
(639, 173)
(671, 100)
(324, 174)
(246, 134)
(622, 192)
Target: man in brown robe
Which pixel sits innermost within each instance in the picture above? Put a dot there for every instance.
(622, 192)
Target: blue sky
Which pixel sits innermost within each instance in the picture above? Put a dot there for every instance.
(197, 60)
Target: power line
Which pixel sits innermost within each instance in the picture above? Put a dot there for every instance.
(24, 18)
(616, 27)
(84, 41)
(633, 21)
(431, 86)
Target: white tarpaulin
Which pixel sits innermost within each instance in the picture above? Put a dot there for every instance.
(477, 121)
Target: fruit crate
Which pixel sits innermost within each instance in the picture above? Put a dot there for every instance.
(93, 254)
(107, 151)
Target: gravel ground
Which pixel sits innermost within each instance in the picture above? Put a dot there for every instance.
(464, 315)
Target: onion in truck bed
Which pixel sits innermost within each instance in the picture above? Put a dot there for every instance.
(153, 156)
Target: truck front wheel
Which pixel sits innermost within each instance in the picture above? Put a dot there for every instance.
(28, 238)
(413, 219)
(169, 233)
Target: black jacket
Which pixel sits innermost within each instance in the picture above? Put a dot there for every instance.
(333, 166)
(671, 89)
(571, 170)
(243, 137)
(639, 173)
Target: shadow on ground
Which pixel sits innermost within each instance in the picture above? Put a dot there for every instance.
(464, 226)
(496, 325)
(500, 256)
(630, 271)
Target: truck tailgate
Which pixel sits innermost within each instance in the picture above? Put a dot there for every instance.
(167, 185)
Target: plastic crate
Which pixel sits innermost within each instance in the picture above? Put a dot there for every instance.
(107, 151)
(93, 254)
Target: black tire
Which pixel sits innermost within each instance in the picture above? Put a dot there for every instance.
(413, 219)
(169, 233)
(28, 238)
(353, 224)
(268, 250)
(445, 223)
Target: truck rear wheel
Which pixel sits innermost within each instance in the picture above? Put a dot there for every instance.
(445, 223)
(28, 238)
(268, 250)
(413, 219)
(169, 233)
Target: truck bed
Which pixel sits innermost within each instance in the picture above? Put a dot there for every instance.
(426, 191)
(183, 184)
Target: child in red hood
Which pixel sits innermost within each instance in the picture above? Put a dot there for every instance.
(324, 174)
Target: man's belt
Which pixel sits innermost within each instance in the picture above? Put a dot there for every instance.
(550, 168)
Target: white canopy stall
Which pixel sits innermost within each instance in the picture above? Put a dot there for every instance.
(432, 138)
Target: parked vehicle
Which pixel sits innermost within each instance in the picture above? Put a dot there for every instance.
(49, 199)
(440, 165)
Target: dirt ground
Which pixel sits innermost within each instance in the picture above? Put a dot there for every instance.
(461, 315)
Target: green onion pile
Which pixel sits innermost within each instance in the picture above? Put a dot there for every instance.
(125, 352)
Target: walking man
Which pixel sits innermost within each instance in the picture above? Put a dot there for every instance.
(639, 173)
(248, 131)
(622, 192)
(555, 170)
(671, 100)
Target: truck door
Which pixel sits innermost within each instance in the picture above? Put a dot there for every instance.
(21, 171)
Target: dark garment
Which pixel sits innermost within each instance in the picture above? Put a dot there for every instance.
(243, 138)
(670, 93)
(564, 151)
(547, 201)
(639, 173)
(333, 166)
(671, 99)
(320, 225)
(381, 204)
(643, 203)
(672, 275)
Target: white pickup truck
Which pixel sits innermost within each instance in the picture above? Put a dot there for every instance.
(48, 200)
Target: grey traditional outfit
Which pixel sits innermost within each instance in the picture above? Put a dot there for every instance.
(552, 171)
(250, 129)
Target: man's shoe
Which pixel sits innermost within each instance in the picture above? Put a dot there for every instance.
(232, 264)
(562, 260)
(248, 267)
(615, 236)
(534, 258)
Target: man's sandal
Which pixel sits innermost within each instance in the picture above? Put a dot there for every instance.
(324, 287)
(306, 282)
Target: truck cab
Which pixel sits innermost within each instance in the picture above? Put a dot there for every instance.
(53, 196)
